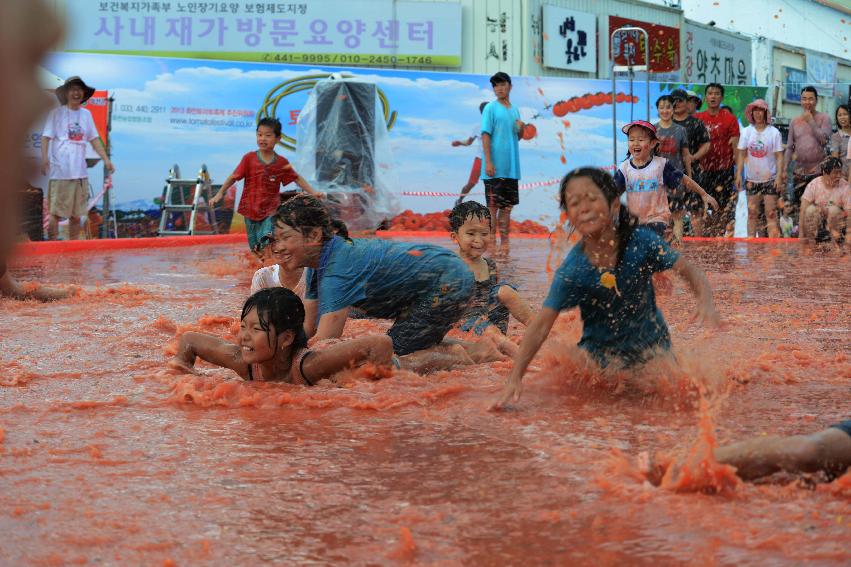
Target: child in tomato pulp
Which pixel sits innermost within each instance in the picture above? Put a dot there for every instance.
(608, 276)
(493, 301)
(647, 178)
(264, 172)
(273, 346)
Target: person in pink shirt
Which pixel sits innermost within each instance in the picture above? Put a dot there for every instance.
(809, 133)
(825, 204)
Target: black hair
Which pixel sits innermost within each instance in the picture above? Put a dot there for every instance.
(303, 212)
(482, 106)
(280, 309)
(626, 222)
(339, 228)
(810, 89)
(830, 164)
(718, 86)
(653, 152)
(664, 98)
(500, 77)
(272, 123)
(466, 210)
(844, 107)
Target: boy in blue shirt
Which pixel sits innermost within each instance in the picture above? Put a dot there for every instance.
(501, 132)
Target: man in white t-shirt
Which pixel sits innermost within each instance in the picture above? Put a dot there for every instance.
(67, 131)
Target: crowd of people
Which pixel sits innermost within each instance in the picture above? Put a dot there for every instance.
(291, 328)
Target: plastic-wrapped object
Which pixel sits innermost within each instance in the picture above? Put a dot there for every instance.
(344, 151)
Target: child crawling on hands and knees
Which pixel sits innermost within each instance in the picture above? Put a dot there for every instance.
(608, 275)
(273, 346)
(470, 226)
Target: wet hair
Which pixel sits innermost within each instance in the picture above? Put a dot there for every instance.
(626, 222)
(467, 210)
(810, 89)
(272, 123)
(718, 86)
(303, 212)
(339, 228)
(844, 107)
(482, 107)
(664, 98)
(830, 164)
(500, 77)
(280, 309)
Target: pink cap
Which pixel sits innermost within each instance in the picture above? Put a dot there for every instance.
(642, 123)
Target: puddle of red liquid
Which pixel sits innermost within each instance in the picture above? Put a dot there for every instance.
(107, 458)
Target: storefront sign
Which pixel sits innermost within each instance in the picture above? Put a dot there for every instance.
(629, 47)
(570, 39)
(794, 80)
(710, 56)
(380, 32)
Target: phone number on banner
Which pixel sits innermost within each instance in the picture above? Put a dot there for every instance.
(358, 59)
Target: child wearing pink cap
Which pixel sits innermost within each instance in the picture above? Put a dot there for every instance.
(647, 178)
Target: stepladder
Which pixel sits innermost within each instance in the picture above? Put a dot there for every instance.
(185, 208)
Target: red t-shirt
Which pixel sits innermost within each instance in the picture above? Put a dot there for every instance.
(260, 194)
(722, 127)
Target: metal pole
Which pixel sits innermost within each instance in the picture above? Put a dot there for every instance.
(631, 68)
(107, 200)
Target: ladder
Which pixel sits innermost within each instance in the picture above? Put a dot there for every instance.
(184, 198)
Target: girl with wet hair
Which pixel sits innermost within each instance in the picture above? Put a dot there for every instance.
(608, 275)
(273, 346)
(423, 288)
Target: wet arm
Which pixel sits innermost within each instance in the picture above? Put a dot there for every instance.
(225, 186)
(309, 317)
(486, 149)
(209, 348)
(701, 151)
(696, 279)
(331, 324)
(790, 143)
(535, 335)
(307, 187)
(515, 304)
(377, 349)
(11, 288)
(802, 218)
(101, 151)
(781, 172)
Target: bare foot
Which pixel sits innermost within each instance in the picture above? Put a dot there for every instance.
(652, 471)
(485, 350)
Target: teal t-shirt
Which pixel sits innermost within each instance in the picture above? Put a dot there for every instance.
(380, 277)
(626, 323)
(500, 123)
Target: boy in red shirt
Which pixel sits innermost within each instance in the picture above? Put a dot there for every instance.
(264, 172)
(717, 165)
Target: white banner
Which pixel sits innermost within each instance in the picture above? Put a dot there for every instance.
(570, 39)
(821, 73)
(711, 56)
(379, 32)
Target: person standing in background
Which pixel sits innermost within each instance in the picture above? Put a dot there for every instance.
(809, 133)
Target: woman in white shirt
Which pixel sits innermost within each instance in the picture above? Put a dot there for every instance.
(762, 144)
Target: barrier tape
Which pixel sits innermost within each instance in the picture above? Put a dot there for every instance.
(532, 185)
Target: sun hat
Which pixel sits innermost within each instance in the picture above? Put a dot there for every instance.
(62, 92)
(758, 103)
(642, 123)
(693, 95)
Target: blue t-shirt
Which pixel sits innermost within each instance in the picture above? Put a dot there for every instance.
(500, 123)
(380, 277)
(625, 323)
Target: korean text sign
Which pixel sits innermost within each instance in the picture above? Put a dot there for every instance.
(714, 57)
(629, 47)
(570, 39)
(379, 32)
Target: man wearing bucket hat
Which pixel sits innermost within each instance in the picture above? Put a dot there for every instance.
(693, 102)
(67, 131)
(762, 144)
(698, 145)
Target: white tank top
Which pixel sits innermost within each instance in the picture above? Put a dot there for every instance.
(646, 194)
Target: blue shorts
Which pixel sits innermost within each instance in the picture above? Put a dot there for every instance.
(257, 230)
(657, 227)
(431, 315)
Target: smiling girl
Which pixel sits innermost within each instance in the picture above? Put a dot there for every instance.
(608, 276)
(273, 347)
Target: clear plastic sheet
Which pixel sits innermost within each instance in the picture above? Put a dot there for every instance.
(343, 150)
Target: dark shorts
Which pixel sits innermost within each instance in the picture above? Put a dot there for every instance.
(501, 192)
(677, 198)
(493, 314)
(657, 227)
(430, 317)
(719, 185)
(767, 188)
(843, 425)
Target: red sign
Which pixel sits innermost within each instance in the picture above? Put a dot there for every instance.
(98, 105)
(629, 46)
